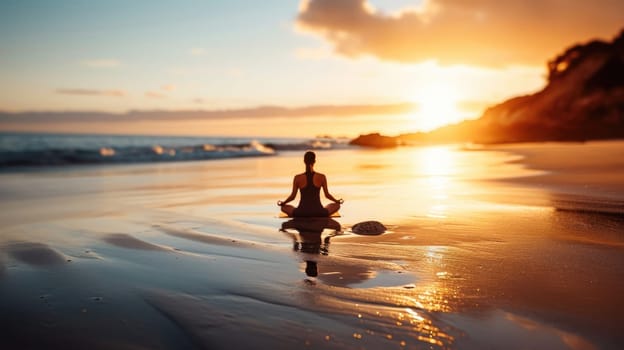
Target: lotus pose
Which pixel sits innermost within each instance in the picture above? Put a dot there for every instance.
(310, 184)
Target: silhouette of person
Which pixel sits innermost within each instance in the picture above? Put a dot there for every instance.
(309, 185)
(309, 239)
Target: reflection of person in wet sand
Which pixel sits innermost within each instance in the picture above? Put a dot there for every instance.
(309, 238)
(310, 184)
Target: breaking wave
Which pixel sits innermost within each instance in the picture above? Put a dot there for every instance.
(17, 150)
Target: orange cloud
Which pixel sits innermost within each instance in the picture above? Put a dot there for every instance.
(169, 87)
(154, 94)
(482, 32)
(91, 92)
(230, 114)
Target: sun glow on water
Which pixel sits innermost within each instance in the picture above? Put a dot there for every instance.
(438, 165)
(437, 161)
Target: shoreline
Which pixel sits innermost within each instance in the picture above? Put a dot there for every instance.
(191, 253)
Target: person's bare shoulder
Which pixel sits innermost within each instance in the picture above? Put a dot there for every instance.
(299, 178)
(321, 178)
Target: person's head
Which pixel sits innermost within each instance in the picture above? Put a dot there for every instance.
(309, 158)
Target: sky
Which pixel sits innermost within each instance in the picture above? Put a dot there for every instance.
(450, 59)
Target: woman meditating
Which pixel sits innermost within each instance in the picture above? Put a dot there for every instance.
(310, 184)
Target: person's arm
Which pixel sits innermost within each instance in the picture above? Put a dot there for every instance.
(326, 192)
(293, 193)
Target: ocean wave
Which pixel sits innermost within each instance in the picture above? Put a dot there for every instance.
(68, 151)
(155, 153)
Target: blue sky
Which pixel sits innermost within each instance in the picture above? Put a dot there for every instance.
(196, 54)
(115, 56)
(141, 45)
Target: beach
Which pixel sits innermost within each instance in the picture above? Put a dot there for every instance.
(498, 247)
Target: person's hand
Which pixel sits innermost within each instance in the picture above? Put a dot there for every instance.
(280, 203)
(340, 201)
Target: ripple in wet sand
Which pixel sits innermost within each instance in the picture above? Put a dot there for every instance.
(35, 254)
(127, 241)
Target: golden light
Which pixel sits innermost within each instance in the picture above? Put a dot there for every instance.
(438, 165)
(437, 161)
(437, 106)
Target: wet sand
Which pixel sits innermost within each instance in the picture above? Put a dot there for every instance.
(510, 247)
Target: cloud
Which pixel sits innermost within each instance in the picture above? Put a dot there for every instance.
(243, 113)
(168, 87)
(102, 63)
(154, 94)
(482, 32)
(160, 94)
(91, 92)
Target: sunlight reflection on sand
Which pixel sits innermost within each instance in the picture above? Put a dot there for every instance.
(472, 259)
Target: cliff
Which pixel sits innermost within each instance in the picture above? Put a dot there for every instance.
(583, 100)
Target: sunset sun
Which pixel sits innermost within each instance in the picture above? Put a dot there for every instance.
(437, 106)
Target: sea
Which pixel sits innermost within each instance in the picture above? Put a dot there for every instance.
(40, 150)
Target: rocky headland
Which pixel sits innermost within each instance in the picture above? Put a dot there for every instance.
(582, 100)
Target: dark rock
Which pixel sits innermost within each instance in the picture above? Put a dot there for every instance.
(375, 140)
(369, 228)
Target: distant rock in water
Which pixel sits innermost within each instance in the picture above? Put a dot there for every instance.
(583, 100)
(375, 140)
